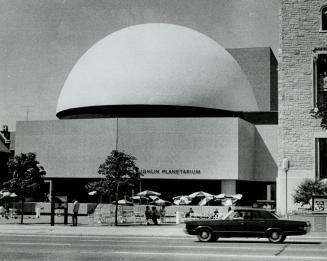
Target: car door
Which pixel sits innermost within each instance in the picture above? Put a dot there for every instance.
(249, 227)
(234, 226)
(257, 224)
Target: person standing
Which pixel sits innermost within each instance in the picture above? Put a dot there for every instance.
(155, 215)
(162, 213)
(148, 215)
(75, 211)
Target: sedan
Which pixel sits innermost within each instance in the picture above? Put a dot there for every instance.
(247, 222)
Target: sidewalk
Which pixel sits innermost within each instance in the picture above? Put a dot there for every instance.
(42, 226)
(122, 230)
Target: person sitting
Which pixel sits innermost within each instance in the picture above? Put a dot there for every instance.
(189, 213)
(216, 214)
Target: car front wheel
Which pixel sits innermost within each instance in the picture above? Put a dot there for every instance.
(276, 236)
(205, 235)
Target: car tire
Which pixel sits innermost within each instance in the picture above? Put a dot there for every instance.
(205, 235)
(276, 236)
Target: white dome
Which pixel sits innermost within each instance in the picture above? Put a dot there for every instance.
(157, 64)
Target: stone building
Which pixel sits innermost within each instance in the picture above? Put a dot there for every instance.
(302, 89)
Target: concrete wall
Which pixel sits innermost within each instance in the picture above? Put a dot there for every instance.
(260, 66)
(299, 27)
(165, 148)
(246, 150)
(266, 152)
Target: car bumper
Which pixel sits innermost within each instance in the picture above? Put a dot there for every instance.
(190, 232)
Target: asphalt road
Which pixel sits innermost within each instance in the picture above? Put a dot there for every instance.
(129, 248)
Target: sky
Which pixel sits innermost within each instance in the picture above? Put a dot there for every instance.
(41, 40)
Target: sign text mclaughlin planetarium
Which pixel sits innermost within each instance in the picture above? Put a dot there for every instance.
(171, 171)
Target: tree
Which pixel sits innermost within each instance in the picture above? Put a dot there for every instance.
(120, 173)
(26, 175)
(308, 188)
(320, 113)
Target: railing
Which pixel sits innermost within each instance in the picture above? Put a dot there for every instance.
(105, 213)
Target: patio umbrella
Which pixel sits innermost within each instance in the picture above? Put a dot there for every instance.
(224, 196)
(148, 193)
(154, 197)
(182, 200)
(200, 194)
(228, 199)
(92, 193)
(124, 202)
(5, 193)
(161, 202)
(205, 201)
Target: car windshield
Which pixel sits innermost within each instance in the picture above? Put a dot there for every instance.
(229, 215)
(275, 215)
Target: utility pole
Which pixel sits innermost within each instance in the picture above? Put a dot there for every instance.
(286, 166)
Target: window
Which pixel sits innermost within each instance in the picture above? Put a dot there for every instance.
(323, 26)
(321, 158)
(320, 79)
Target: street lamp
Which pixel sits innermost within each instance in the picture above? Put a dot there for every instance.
(285, 166)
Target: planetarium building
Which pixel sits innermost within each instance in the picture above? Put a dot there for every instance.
(195, 115)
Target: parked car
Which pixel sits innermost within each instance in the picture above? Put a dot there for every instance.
(247, 222)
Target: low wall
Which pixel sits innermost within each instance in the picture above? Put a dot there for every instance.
(89, 208)
(30, 207)
(205, 211)
(318, 220)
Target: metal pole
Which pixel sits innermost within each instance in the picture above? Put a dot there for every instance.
(52, 196)
(286, 194)
(117, 135)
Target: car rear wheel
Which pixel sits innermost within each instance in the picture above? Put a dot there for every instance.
(276, 236)
(205, 235)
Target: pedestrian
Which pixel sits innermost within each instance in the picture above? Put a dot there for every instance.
(7, 212)
(2, 211)
(148, 215)
(155, 215)
(162, 214)
(75, 211)
(37, 211)
(189, 213)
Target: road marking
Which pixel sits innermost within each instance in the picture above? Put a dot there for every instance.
(132, 237)
(112, 240)
(36, 243)
(221, 255)
(291, 239)
(217, 246)
(272, 248)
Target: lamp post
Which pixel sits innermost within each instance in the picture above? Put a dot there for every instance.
(285, 166)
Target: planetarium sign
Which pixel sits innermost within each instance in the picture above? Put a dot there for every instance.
(171, 171)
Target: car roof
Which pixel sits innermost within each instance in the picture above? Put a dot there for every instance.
(250, 209)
